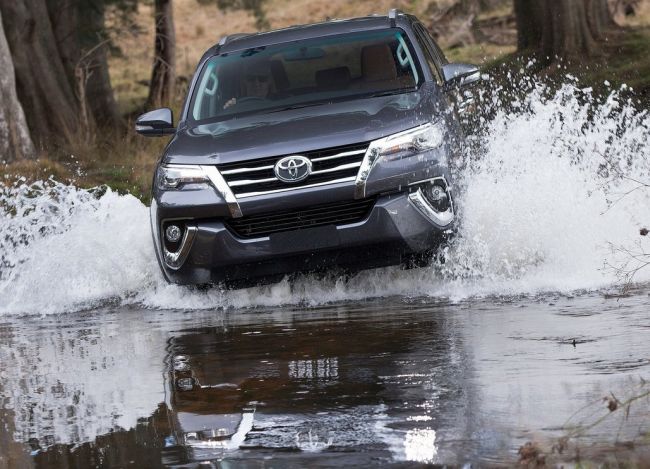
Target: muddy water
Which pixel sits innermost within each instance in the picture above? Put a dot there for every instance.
(394, 380)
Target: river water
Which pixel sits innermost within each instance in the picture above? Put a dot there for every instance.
(351, 383)
(525, 335)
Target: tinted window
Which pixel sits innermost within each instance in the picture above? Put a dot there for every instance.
(305, 72)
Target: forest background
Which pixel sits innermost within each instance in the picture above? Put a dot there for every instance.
(74, 74)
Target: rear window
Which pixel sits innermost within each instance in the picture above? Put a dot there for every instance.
(304, 73)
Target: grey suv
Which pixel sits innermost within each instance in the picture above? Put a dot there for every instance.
(309, 148)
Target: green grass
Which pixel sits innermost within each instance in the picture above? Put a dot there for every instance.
(627, 61)
(623, 59)
(479, 54)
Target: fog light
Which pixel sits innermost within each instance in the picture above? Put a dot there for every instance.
(437, 196)
(185, 384)
(173, 234)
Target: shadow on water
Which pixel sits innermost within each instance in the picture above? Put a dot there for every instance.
(393, 380)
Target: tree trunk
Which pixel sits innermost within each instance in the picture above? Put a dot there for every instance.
(529, 24)
(599, 17)
(15, 142)
(163, 76)
(566, 30)
(83, 46)
(93, 60)
(561, 28)
(41, 81)
(59, 52)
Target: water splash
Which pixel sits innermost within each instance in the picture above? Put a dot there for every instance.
(64, 248)
(311, 443)
(553, 181)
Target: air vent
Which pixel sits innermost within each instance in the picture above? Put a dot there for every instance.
(336, 213)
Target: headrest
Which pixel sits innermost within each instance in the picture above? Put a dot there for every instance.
(377, 63)
(279, 75)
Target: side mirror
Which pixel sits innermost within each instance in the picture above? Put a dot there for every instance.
(156, 123)
(460, 75)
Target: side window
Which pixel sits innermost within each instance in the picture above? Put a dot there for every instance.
(432, 57)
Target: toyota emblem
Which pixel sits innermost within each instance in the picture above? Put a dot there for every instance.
(293, 168)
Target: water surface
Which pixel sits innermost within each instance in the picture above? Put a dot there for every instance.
(392, 380)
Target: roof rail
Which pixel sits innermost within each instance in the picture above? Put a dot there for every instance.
(392, 15)
(231, 37)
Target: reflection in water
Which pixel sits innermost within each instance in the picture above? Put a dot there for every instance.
(321, 385)
(70, 384)
(353, 384)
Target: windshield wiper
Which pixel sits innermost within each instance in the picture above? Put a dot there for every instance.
(389, 93)
(299, 106)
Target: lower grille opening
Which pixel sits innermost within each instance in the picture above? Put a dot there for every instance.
(335, 213)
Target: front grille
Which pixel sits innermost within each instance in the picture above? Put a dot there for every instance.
(336, 213)
(330, 165)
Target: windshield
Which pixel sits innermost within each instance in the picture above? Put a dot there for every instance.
(297, 74)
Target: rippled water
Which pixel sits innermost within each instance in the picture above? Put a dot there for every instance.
(353, 383)
(516, 338)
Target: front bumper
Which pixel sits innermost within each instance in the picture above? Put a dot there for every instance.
(395, 229)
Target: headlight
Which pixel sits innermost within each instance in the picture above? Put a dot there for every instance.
(410, 142)
(400, 145)
(175, 176)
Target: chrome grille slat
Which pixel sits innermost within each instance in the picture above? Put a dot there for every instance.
(356, 164)
(339, 155)
(246, 170)
(329, 166)
(246, 182)
(275, 191)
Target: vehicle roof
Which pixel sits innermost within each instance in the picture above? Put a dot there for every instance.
(306, 31)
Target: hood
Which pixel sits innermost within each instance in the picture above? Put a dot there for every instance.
(299, 130)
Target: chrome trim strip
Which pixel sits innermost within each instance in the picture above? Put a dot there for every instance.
(335, 181)
(339, 155)
(437, 178)
(246, 170)
(246, 182)
(369, 160)
(221, 186)
(174, 260)
(420, 203)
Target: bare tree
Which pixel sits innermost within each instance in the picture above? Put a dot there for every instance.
(15, 141)
(163, 76)
(93, 52)
(82, 41)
